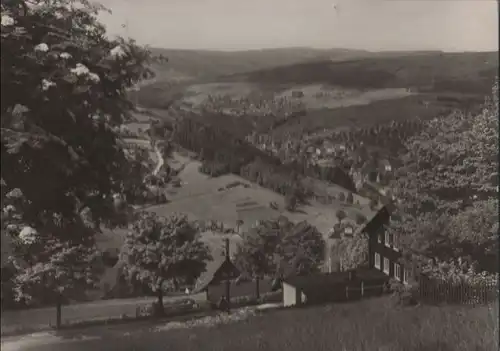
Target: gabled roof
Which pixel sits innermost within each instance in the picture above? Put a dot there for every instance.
(216, 273)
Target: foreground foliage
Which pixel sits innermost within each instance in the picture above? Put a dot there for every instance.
(447, 190)
(64, 170)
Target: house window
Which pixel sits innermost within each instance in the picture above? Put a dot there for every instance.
(377, 260)
(397, 271)
(395, 242)
(379, 238)
(387, 240)
(386, 266)
(406, 274)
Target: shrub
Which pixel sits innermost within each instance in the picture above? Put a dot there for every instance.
(406, 295)
(360, 219)
(340, 214)
(350, 198)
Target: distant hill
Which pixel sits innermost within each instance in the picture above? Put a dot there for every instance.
(472, 72)
(204, 64)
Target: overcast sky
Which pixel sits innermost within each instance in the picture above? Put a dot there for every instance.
(449, 25)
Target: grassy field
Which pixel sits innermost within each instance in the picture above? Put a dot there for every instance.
(370, 325)
(206, 198)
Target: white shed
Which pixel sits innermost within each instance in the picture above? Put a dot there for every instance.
(292, 295)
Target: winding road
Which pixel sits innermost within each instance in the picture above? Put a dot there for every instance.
(161, 160)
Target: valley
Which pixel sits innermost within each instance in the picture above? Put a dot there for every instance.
(295, 197)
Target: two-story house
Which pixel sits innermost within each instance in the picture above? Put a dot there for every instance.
(383, 249)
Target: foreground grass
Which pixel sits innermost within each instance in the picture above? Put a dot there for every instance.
(369, 325)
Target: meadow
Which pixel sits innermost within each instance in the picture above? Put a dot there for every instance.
(369, 325)
(204, 198)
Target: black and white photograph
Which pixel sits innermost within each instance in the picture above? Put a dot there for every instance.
(265, 175)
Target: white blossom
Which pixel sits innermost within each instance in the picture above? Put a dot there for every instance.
(117, 52)
(80, 70)
(94, 77)
(9, 208)
(14, 193)
(35, 6)
(42, 47)
(88, 28)
(7, 21)
(46, 84)
(58, 14)
(65, 55)
(28, 235)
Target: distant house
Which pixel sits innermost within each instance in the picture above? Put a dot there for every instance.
(385, 166)
(297, 94)
(332, 287)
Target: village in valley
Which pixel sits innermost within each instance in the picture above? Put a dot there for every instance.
(324, 199)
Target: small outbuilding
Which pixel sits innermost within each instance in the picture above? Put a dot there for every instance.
(216, 274)
(332, 287)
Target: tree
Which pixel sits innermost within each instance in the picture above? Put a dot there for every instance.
(257, 254)
(350, 198)
(60, 270)
(291, 202)
(64, 92)
(64, 97)
(45, 269)
(163, 250)
(447, 187)
(353, 251)
(253, 262)
(340, 214)
(273, 244)
(360, 218)
(303, 248)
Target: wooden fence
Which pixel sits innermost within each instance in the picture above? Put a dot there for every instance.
(364, 290)
(442, 292)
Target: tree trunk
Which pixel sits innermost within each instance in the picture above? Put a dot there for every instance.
(58, 310)
(160, 308)
(257, 287)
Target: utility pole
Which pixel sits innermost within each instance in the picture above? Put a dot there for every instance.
(228, 282)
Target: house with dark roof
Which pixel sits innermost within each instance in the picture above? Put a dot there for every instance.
(384, 251)
(223, 270)
(333, 287)
(216, 273)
